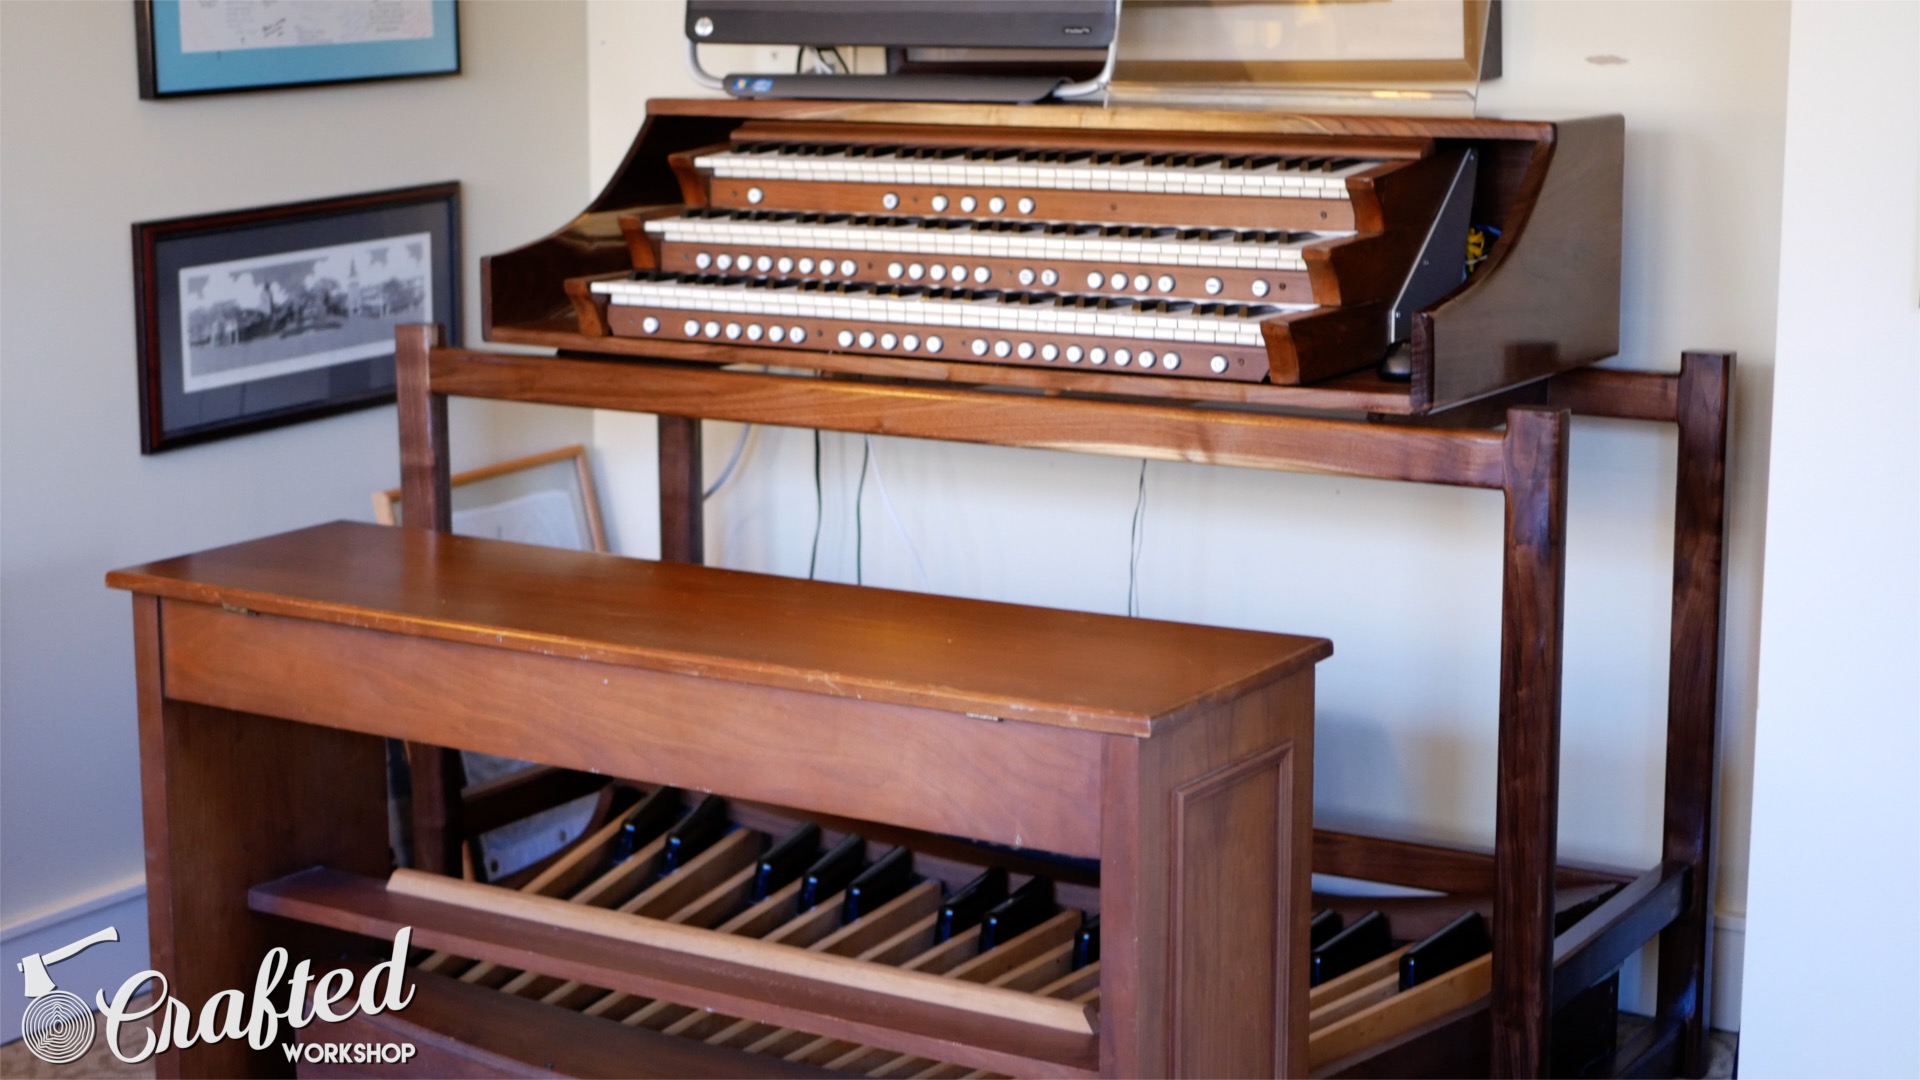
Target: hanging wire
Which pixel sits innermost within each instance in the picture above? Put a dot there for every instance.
(859, 526)
(1138, 541)
(880, 481)
(733, 460)
(819, 508)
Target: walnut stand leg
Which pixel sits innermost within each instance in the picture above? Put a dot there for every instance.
(1526, 816)
(682, 523)
(231, 800)
(1693, 694)
(426, 499)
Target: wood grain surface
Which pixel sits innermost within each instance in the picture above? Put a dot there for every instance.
(1003, 661)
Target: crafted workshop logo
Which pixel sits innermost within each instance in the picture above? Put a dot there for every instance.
(58, 1027)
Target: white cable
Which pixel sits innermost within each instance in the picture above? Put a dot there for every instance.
(1138, 541)
(881, 482)
(733, 459)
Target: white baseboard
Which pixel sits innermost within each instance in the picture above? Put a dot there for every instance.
(121, 905)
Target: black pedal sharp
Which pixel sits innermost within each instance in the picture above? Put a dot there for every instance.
(887, 878)
(1086, 943)
(1367, 939)
(696, 833)
(647, 820)
(785, 861)
(1029, 906)
(970, 903)
(831, 872)
(1461, 940)
(1326, 923)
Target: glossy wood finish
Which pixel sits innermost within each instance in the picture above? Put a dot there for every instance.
(1127, 429)
(426, 485)
(1532, 310)
(909, 706)
(682, 518)
(1526, 815)
(214, 828)
(1704, 396)
(970, 415)
(1517, 317)
(1363, 392)
(364, 905)
(1204, 891)
(1131, 677)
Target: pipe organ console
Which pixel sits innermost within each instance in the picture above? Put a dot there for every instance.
(1086, 243)
(879, 834)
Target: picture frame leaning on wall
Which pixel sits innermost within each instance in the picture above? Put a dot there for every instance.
(251, 319)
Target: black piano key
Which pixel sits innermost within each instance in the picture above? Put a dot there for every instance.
(1130, 157)
(1364, 941)
(888, 877)
(948, 153)
(1086, 943)
(1075, 157)
(1326, 923)
(1202, 160)
(1029, 906)
(785, 861)
(831, 872)
(1264, 161)
(968, 904)
(695, 833)
(1004, 154)
(1461, 940)
(646, 821)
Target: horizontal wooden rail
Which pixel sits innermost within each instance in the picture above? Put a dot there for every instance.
(1464, 458)
(749, 952)
(1616, 929)
(1427, 866)
(364, 905)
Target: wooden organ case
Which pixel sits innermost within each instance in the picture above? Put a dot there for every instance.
(1203, 286)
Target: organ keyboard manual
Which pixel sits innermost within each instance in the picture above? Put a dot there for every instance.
(1259, 257)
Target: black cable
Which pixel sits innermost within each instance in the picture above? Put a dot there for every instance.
(834, 50)
(1139, 535)
(859, 529)
(819, 507)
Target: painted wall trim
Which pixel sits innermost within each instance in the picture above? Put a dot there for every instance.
(73, 907)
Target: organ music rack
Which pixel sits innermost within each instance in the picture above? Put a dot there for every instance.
(1488, 405)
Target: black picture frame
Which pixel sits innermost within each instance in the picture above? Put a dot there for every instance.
(267, 47)
(254, 319)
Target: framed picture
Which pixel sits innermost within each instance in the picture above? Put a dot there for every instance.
(1373, 43)
(216, 46)
(541, 499)
(252, 319)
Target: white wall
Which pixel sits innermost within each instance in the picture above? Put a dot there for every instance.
(1836, 805)
(1405, 580)
(82, 159)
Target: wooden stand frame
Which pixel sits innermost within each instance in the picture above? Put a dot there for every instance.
(1534, 974)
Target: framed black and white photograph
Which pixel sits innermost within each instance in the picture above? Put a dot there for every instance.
(219, 46)
(252, 319)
